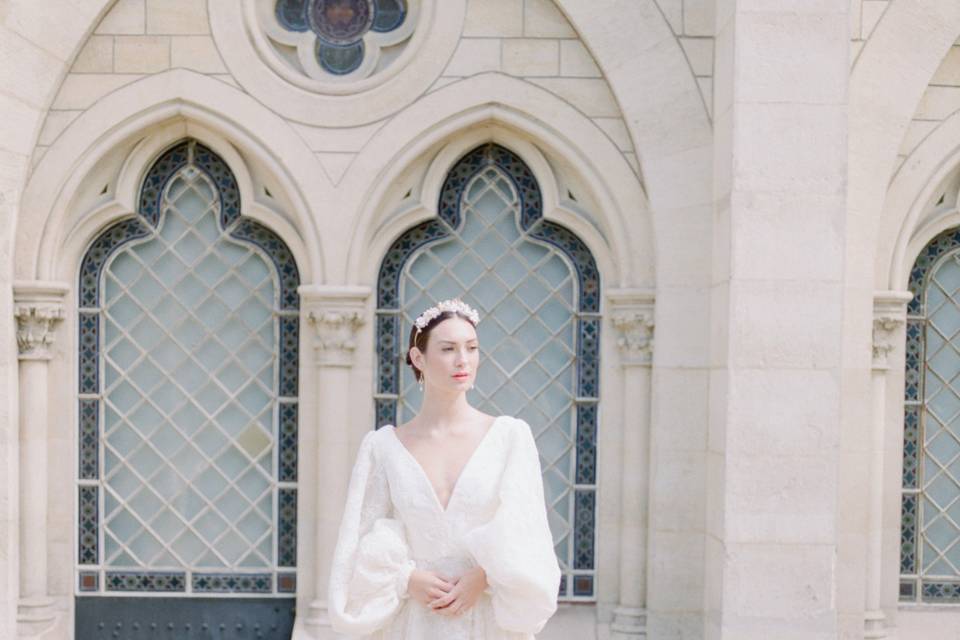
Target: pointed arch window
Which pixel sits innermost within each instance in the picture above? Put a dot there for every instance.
(930, 506)
(537, 288)
(188, 376)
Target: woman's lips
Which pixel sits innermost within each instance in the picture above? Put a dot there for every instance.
(461, 375)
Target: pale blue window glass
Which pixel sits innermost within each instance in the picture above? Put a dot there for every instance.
(189, 342)
(188, 380)
(524, 293)
(930, 507)
(537, 289)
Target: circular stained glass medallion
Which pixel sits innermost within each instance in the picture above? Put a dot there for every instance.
(340, 21)
(342, 27)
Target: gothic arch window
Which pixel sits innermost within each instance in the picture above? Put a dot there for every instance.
(537, 289)
(930, 507)
(188, 376)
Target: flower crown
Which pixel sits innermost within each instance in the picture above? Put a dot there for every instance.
(455, 305)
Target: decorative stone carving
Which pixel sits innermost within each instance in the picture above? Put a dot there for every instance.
(632, 315)
(38, 309)
(35, 327)
(335, 331)
(883, 335)
(635, 341)
(336, 63)
(889, 314)
(336, 314)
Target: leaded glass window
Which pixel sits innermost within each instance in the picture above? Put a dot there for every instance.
(536, 287)
(930, 507)
(338, 39)
(188, 393)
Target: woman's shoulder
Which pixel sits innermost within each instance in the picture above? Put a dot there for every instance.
(517, 427)
(373, 442)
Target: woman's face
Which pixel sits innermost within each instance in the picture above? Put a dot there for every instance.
(452, 356)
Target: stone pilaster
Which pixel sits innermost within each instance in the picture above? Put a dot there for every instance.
(777, 293)
(631, 313)
(889, 320)
(333, 315)
(38, 310)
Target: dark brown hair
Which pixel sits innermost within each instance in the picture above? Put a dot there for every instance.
(420, 341)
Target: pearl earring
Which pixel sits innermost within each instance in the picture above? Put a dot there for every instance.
(421, 382)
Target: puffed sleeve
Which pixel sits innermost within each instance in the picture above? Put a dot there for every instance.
(371, 561)
(515, 547)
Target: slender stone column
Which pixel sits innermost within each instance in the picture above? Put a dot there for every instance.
(632, 315)
(889, 318)
(335, 314)
(38, 309)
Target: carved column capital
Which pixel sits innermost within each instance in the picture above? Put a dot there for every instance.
(38, 309)
(632, 315)
(336, 314)
(889, 315)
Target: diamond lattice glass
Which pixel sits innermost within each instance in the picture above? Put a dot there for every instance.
(524, 293)
(189, 394)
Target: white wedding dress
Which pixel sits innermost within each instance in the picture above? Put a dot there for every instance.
(393, 522)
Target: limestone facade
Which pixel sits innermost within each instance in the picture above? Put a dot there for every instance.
(755, 180)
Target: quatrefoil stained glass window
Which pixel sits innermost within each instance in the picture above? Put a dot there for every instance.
(340, 39)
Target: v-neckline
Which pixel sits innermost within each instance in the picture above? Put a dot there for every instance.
(456, 484)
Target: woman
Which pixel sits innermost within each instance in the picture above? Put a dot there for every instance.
(444, 533)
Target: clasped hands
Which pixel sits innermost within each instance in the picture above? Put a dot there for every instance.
(444, 595)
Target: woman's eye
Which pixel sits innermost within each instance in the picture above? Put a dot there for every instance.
(474, 348)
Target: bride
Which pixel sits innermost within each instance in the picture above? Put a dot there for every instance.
(444, 531)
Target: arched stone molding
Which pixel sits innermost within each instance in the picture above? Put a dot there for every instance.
(312, 102)
(81, 225)
(538, 127)
(906, 226)
(903, 230)
(523, 114)
(886, 84)
(657, 93)
(152, 101)
(391, 223)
